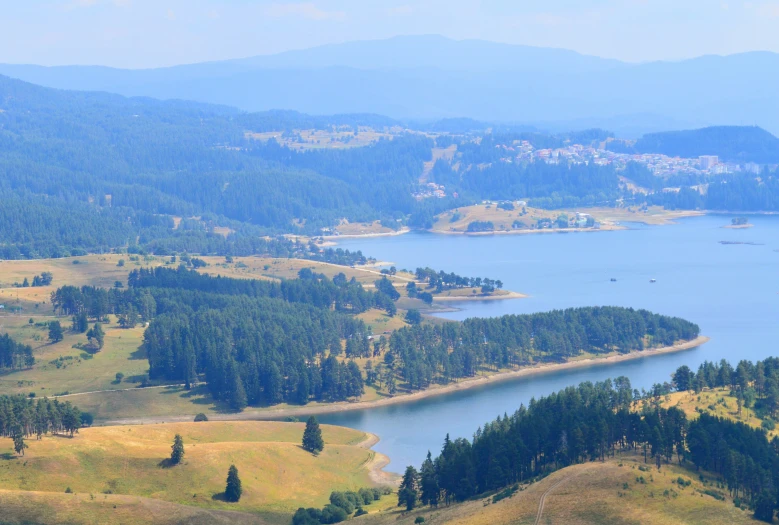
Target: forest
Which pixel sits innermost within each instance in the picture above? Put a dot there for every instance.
(91, 172)
(263, 343)
(423, 354)
(594, 421)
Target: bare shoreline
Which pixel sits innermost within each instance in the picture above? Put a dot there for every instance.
(509, 295)
(466, 384)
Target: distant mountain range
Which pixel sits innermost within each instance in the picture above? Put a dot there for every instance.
(431, 77)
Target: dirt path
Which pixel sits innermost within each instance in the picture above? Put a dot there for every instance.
(133, 389)
(548, 491)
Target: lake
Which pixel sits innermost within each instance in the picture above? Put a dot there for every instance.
(730, 290)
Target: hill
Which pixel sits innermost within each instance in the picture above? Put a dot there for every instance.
(277, 475)
(614, 491)
(433, 77)
(731, 143)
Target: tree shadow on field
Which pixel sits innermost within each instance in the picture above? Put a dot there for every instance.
(7, 456)
(138, 355)
(166, 463)
(219, 497)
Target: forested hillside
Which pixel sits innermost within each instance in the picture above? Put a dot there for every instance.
(262, 343)
(593, 421)
(730, 143)
(92, 172)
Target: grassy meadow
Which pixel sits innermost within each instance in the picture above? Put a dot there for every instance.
(277, 475)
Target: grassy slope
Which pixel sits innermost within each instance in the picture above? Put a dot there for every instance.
(278, 476)
(592, 493)
(724, 404)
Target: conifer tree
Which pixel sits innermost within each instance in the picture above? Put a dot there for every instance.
(233, 489)
(408, 493)
(428, 483)
(19, 444)
(55, 332)
(177, 450)
(312, 437)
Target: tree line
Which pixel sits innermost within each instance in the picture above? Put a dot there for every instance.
(441, 280)
(22, 417)
(13, 355)
(423, 354)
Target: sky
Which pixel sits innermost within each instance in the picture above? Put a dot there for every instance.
(154, 33)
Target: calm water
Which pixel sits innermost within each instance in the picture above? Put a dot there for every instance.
(731, 291)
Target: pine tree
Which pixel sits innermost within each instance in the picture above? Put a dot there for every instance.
(177, 450)
(18, 437)
(408, 494)
(233, 489)
(428, 483)
(312, 437)
(55, 332)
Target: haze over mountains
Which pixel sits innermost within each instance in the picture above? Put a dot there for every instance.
(432, 77)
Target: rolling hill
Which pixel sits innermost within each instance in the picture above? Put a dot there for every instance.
(730, 143)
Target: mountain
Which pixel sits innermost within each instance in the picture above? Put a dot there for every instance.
(429, 77)
(730, 143)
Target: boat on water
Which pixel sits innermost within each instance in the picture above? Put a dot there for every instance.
(613, 280)
(652, 280)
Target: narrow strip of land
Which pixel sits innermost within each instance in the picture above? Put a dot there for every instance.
(281, 413)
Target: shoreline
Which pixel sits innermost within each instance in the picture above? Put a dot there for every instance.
(509, 295)
(465, 384)
(376, 464)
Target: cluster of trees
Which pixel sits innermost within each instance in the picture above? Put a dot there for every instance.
(44, 279)
(422, 354)
(13, 355)
(742, 456)
(342, 505)
(446, 281)
(22, 417)
(254, 342)
(584, 423)
(755, 385)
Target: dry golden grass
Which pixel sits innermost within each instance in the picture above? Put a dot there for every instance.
(277, 475)
(593, 493)
(28, 508)
(609, 218)
(724, 405)
(75, 373)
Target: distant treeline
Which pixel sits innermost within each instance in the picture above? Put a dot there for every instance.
(423, 354)
(732, 193)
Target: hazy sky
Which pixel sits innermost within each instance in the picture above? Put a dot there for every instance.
(147, 33)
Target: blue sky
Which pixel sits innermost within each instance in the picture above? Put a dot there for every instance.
(150, 33)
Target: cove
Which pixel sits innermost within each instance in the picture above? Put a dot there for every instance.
(730, 290)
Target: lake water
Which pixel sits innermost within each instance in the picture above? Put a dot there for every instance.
(731, 291)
